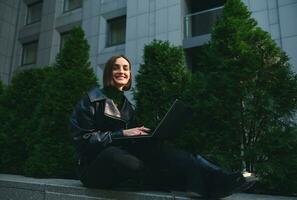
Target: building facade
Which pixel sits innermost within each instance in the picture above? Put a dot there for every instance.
(33, 31)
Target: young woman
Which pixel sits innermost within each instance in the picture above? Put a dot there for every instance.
(100, 123)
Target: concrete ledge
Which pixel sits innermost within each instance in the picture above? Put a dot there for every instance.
(15, 187)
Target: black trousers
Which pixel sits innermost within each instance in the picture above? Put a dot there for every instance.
(149, 163)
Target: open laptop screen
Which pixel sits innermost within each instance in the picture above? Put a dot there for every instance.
(171, 124)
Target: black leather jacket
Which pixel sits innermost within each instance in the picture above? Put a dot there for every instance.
(96, 122)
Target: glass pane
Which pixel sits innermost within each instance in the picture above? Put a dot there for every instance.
(72, 4)
(201, 23)
(64, 37)
(198, 6)
(34, 13)
(29, 53)
(116, 31)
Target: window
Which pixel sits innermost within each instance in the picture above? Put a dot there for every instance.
(116, 31)
(29, 53)
(198, 6)
(34, 13)
(72, 4)
(202, 16)
(64, 37)
(193, 58)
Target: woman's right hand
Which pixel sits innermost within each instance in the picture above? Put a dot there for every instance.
(136, 131)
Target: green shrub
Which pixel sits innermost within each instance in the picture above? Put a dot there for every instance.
(17, 105)
(249, 103)
(161, 79)
(75, 53)
(35, 110)
(1, 87)
(51, 152)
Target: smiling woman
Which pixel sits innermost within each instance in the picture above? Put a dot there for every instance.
(102, 125)
(117, 73)
(121, 73)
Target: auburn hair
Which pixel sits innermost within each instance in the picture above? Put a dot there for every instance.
(107, 73)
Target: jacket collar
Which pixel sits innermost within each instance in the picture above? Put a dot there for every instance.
(96, 94)
(110, 109)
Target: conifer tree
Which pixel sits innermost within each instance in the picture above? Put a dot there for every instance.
(1, 87)
(17, 103)
(75, 53)
(51, 151)
(161, 79)
(251, 99)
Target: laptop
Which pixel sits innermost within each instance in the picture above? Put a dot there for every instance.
(171, 124)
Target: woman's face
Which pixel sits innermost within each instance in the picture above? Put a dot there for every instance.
(120, 73)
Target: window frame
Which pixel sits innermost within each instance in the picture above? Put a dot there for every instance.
(68, 10)
(28, 12)
(109, 22)
(63, 34)
(23, 53)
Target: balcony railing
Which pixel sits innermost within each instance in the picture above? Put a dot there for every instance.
(200, 23)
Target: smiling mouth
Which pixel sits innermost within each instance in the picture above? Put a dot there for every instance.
(120, 77)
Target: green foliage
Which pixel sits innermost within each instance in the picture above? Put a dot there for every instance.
(1, 87)
(75, 53)
(17, 105)
(277, 162)
(35, 110)
(161, 79)
(250, 100)
(52, 153)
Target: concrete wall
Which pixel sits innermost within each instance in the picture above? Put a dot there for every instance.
(8, 20)
(278, 17)
(146, 20)
(15, 187)
(47, 31)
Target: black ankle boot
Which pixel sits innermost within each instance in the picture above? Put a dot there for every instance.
(207, 165)
(212, 182)
(218, 182)
(226, 184)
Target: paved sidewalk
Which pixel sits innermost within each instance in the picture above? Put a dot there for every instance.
(15, 187)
